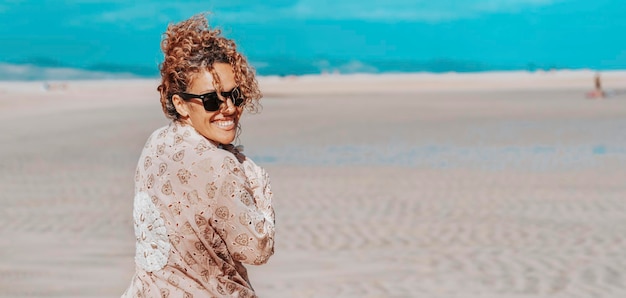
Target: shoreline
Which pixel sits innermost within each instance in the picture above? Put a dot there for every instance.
(36, 97)
(360, 83)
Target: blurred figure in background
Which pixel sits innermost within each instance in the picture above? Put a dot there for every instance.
(597, 91)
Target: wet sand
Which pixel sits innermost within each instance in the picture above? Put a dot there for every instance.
(406, 186)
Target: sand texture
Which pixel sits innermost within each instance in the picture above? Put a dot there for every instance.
(439, 186)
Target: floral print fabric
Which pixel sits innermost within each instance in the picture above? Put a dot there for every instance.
(200, 212)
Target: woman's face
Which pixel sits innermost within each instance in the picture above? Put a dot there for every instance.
(219, 126)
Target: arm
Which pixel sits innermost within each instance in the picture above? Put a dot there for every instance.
(260, 185)
(242, 214)
(259, 181)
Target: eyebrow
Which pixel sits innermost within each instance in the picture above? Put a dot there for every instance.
(207, 91)
(214, 90)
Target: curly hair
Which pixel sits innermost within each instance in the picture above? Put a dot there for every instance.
(192, 46)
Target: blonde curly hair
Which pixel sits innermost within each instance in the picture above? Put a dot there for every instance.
(192, 46)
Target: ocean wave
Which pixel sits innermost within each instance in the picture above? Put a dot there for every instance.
(31, 72)
(48, 69)
(295, 66)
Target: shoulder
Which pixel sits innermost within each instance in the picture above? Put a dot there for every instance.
(179, 142)
(158, 133)
(181, 146)
(218, 160)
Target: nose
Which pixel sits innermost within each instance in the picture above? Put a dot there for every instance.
(228, 107)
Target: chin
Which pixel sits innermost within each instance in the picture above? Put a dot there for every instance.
(225, 139)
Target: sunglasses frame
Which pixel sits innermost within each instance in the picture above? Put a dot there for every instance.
(212, 102)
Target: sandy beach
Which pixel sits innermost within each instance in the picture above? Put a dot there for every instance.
(495, 185)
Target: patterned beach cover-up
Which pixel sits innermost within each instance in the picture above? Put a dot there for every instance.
(199, 213)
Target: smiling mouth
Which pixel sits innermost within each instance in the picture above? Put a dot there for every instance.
(225, 124)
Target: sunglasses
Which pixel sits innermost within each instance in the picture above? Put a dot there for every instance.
(212, 102)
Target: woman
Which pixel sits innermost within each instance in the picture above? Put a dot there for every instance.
(201, 207)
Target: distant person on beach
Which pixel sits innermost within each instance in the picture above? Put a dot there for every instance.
(598, 85)
(201, 208)
(597, 91)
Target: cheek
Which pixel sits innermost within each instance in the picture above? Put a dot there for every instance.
(199, 112)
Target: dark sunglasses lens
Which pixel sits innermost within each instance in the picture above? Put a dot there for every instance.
(235, 95)
(211, 102)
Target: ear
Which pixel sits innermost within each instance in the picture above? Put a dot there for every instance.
(181, 106)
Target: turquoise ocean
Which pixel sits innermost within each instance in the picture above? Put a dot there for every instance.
(47, 40)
